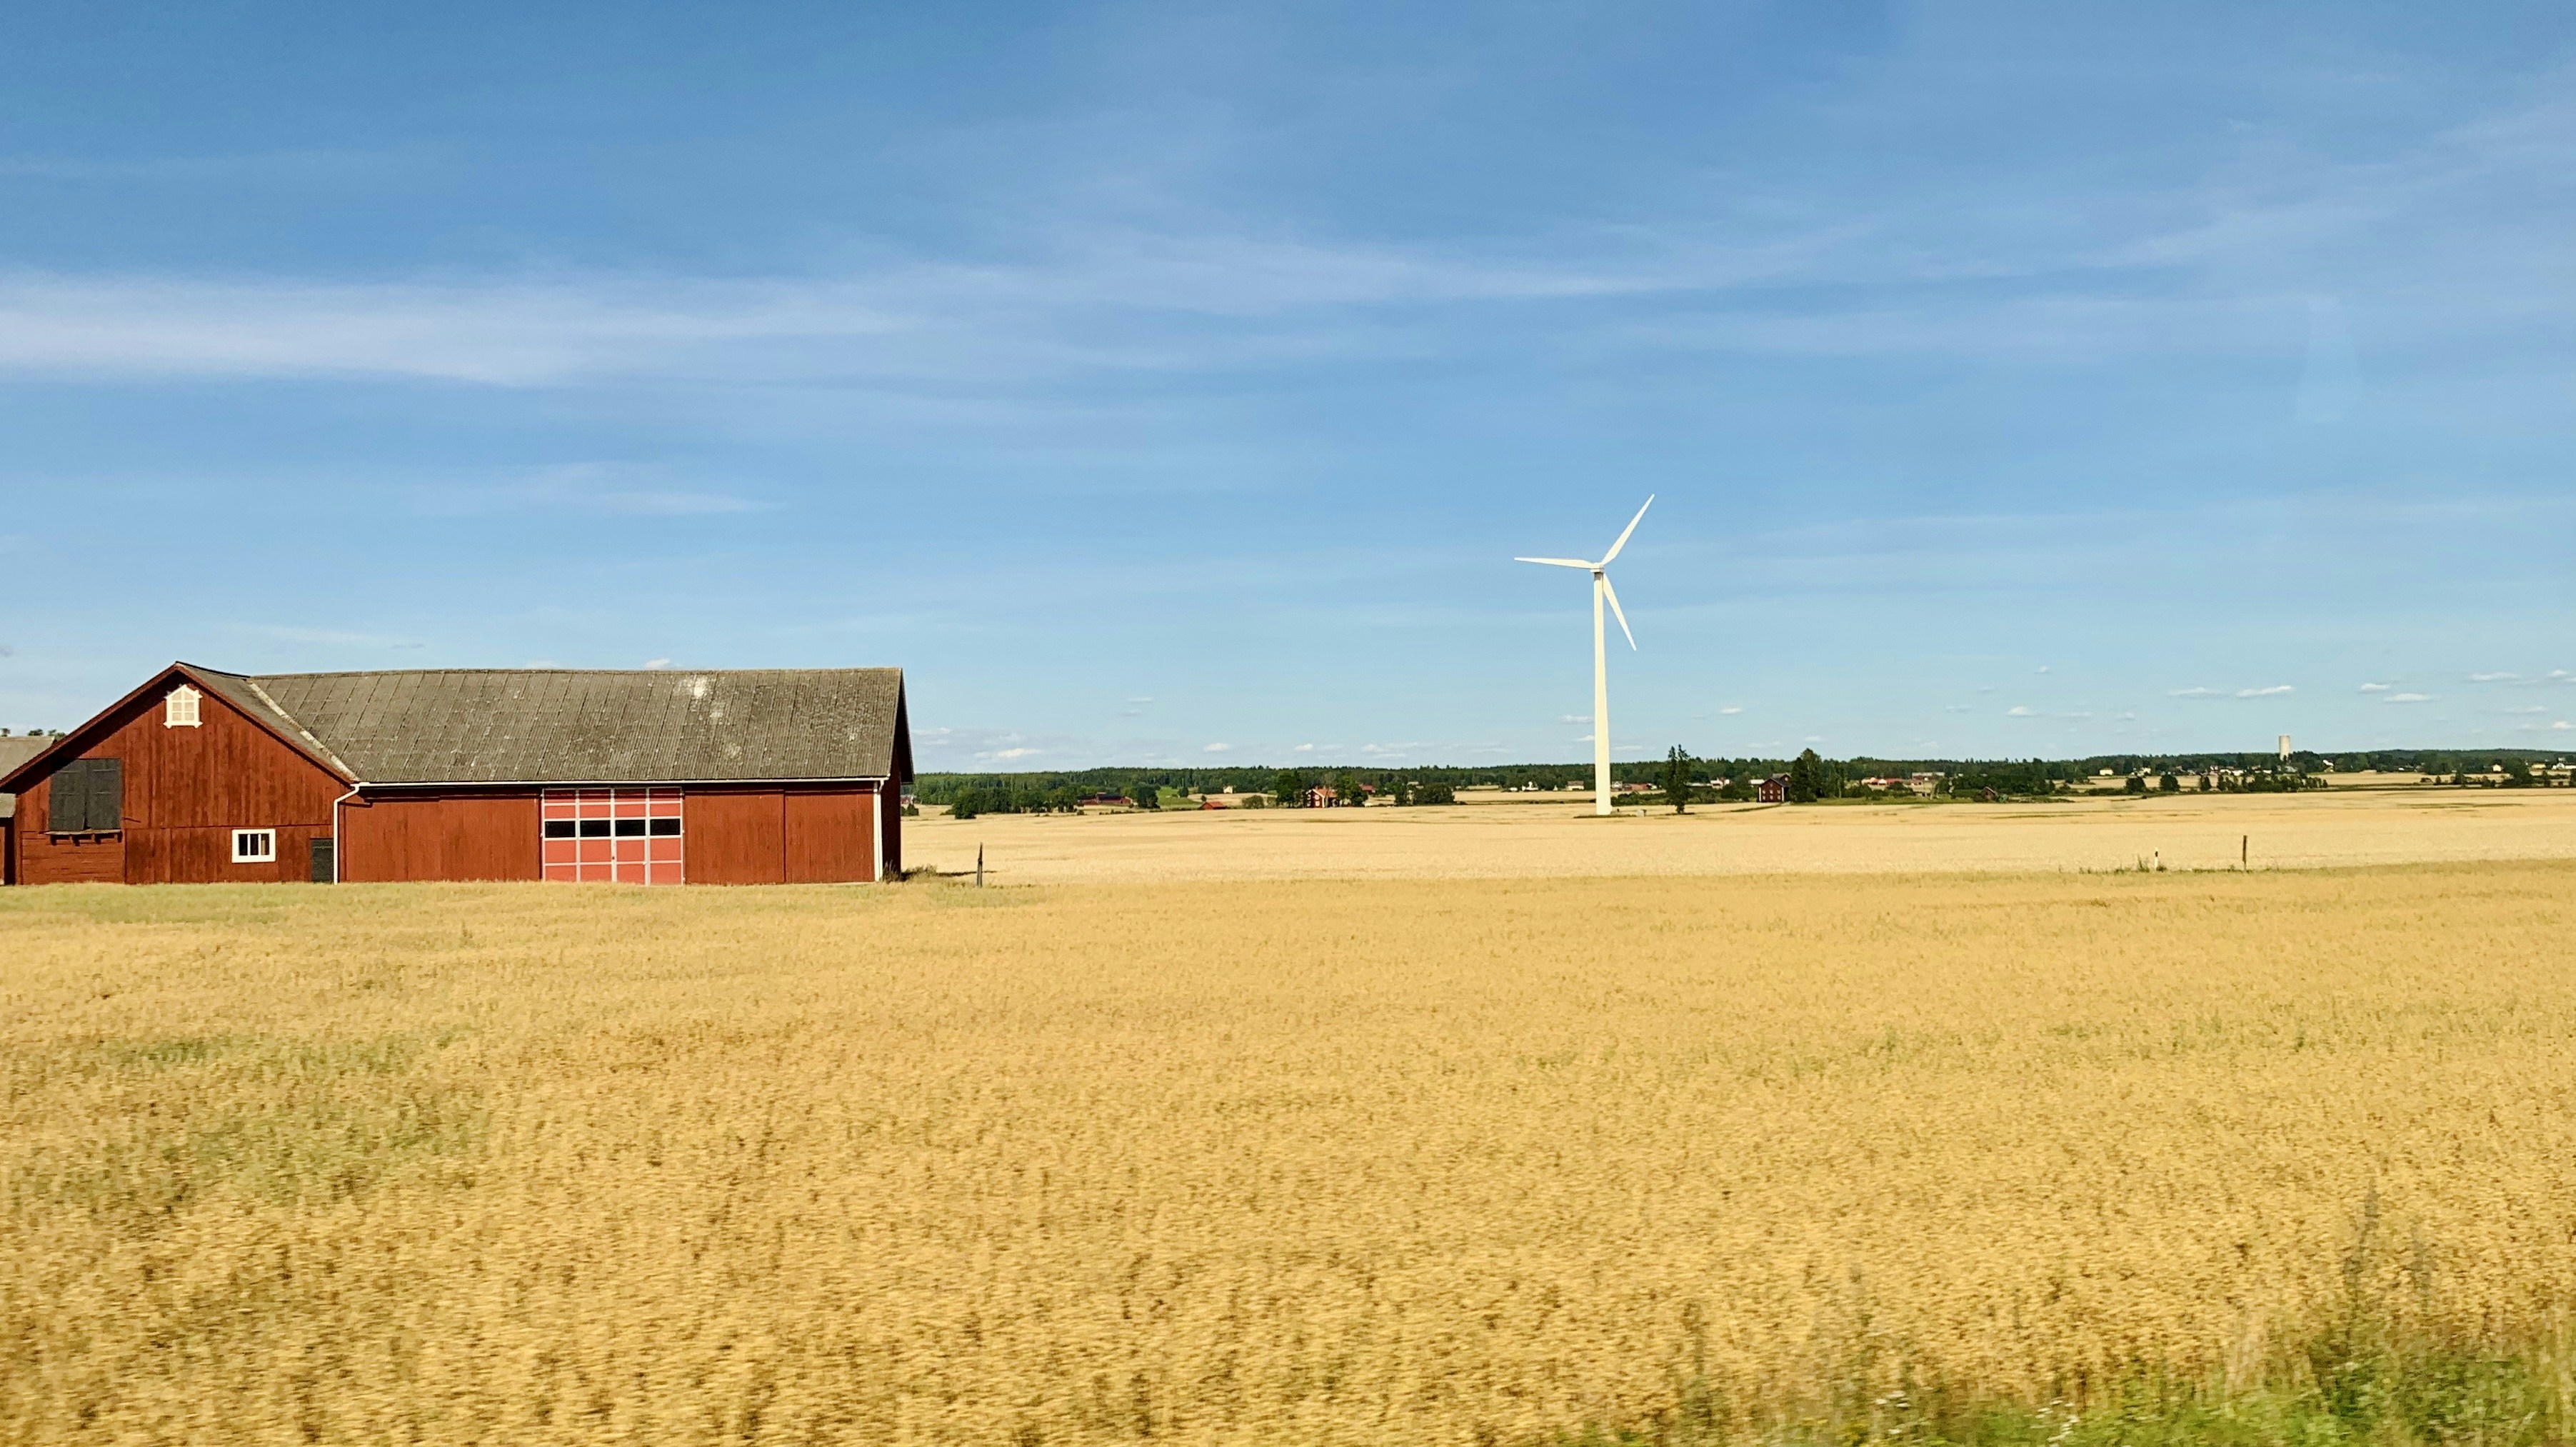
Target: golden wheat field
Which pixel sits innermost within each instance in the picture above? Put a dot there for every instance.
(1556, 835)
(1443, 1161)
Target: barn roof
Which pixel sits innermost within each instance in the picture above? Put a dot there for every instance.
(13, 752)
(588, 726)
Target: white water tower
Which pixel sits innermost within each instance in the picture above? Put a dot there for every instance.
(2285, 748)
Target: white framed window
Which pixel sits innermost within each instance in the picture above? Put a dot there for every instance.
(254, 846)
(179, 710)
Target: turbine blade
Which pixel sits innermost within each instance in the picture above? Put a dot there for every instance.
(1613, 595)
(1556, 562)
(1623, 537)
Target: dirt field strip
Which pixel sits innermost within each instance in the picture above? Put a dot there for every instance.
(2191, 832)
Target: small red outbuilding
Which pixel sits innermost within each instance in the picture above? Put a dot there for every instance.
(739, 776)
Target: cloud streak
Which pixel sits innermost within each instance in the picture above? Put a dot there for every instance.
(1086, 291)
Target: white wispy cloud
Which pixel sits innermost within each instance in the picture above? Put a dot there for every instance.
(1218, 749)
(2272, 691)
(1073, 297)
(915, 320)
(2494, 677)
(331, 637)
(2018, 711)
(2408, 698)
(232, 171)
(2194, 693)
(1732, 708)
(598, 488)
(2377, 687)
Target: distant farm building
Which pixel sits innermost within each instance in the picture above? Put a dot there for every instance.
(1773, 790)
(729, 777)
(13, 752)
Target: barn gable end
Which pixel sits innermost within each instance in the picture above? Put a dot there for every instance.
(179, 793)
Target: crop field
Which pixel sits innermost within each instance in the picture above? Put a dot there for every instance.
(1362, 1161)
(1555, 834)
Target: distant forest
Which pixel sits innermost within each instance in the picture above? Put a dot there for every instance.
(1821, 778)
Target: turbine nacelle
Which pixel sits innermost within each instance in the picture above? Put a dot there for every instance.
(1600, 570)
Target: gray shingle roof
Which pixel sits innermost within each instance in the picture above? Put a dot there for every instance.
(562, 725)
(14, 751)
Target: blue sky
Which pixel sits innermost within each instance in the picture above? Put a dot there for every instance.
(1158, 385)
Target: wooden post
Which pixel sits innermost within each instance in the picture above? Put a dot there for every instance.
(979, 866)
(2244, 850)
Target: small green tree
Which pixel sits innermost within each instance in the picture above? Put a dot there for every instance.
(2169, 784)
(1806, 777)
(1289, 787)
(1677, 780)
(1347, 791)
(1146, 793)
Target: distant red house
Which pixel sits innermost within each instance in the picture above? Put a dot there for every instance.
(1773, 790)
(727, 777)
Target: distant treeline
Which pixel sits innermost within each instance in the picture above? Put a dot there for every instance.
(1810, 775)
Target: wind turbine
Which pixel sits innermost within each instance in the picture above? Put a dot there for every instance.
(1601, 590)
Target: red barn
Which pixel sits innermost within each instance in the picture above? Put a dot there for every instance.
(744, 776)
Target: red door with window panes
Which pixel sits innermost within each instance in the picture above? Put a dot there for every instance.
(628, 836)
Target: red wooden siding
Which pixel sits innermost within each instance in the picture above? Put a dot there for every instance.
(890, 825)
(737, 836)
(797, 834)
(424, 834)
(831, 836)
(186, 790)
(194, 856)
(83, 859)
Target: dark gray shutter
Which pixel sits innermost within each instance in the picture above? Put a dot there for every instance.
(87, 796)
(106, 795)
(321, 869)
(67, 799)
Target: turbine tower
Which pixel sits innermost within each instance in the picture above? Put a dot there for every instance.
(1602, 591)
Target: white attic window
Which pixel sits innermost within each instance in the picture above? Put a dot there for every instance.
(179, 710)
